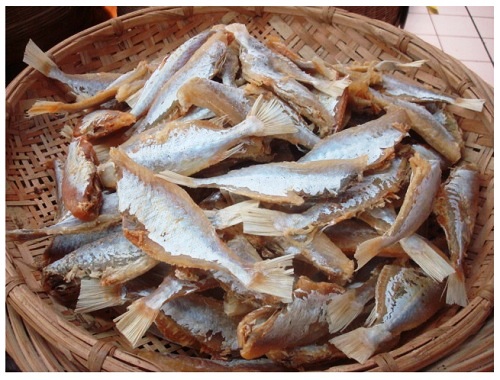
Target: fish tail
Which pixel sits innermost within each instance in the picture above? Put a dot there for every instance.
(428, 258)
(368, 250)
(333, 88)
(176, 178)
(470, 104)
(41, 107)
(272, 277)
(342, 310)
(260, 221)
(362, 343)
(231, 215)
(102, 152)
(67, 132)
(134, 323)
(274, 120)
(94, 296)
(36, 58)
(456, 292)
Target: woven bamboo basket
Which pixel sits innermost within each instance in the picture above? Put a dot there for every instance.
(44, 336)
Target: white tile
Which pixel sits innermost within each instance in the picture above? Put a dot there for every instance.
(481, 11)
(456, 11)
(489, 42)
(446, 25)
(483, 69)
(417, 23)
(431, 39)
(418, 10)
(464, 48)
(485, 26)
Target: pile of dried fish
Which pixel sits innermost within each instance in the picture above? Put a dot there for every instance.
(256, 206)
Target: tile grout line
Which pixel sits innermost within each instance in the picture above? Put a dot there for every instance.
(480, 36)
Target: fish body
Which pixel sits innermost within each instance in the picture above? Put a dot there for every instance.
(205, 62)
(177, 231)
(81, 187)
(372, 190)
(282, 182)
(376, 139)
(188, 147)
(81, 84)
(456, 209)
(416, 208)
(101, 123)
(405, 298)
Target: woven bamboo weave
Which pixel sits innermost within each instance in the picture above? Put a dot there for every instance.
(44, 336)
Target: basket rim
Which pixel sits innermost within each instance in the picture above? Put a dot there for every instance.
(460, 325)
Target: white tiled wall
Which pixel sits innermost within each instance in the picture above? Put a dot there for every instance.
(465, 33)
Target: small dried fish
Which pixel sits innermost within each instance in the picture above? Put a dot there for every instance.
(376, 139)
(189, 147)
(101, 123)
(281, 182)
(416, 207)
(81, 84)
(176, 231)
(456, 207)
(403, 87)
(168, 67)
(81, 187)
(372, 190)
(405, 298)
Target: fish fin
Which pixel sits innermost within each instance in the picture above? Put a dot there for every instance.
(368, 250)
(219, 121)
(43, 106)
(36, 58)
(134, 323)
(260, 221)
(275, 121)
(94, 296)
(372, 317)
(25, 234)
(427, 257)
(470, 104)
(342, 310)
(273, 278)
(362, 343)
(334, 88)
(67, 132)
(456, 293)
(177, 178)
(102, 152)
(230, 215)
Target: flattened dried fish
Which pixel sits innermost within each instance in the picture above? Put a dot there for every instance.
(405, 298)
(456, 209)
(416, 207)
(177, 231)
(281, 182)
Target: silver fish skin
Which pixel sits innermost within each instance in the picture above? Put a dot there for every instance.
(416, 208)
(205, 63)
(425, 124)
(456, 208)
(405, 298)
(177, 231)
(81, 84)
(258, 70)
(281, 63)
(100, 257)
(281, 182)
(189, 147)
(168, 66)
(376, 139)
(68, 224)
(400, 87)
(371, 191)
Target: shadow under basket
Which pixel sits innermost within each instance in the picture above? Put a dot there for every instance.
(45, 336)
